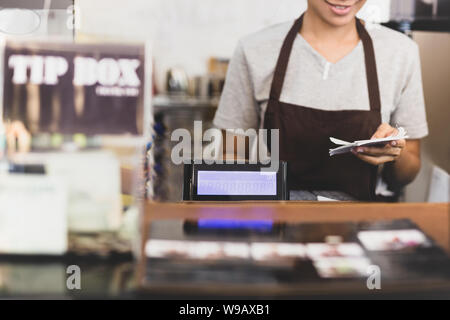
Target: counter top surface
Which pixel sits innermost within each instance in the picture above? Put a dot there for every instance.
(32, 277)
(433, 219)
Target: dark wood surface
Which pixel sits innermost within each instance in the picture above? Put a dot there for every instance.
(433, 219)
(46, 278)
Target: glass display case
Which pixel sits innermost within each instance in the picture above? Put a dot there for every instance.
(74, 121)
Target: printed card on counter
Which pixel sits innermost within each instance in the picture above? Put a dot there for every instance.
(342, 267)
(392, 240)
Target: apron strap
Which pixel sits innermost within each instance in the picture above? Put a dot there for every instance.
(371, 67)
(283, 60)
(369, 52)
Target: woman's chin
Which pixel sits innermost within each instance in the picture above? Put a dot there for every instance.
(339, 21)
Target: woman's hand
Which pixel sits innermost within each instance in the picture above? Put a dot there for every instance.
(383, 154)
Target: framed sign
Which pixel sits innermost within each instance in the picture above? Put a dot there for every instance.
(75, 88)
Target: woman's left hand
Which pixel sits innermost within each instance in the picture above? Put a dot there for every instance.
(383, 154)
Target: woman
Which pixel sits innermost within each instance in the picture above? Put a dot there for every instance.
(327, 75)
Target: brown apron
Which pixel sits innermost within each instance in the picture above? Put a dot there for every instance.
(304, 132)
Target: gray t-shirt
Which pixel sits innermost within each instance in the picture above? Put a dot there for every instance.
(313, 82)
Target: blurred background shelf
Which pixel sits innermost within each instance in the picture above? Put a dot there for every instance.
(173, 112)
(431, 25)
(162, 103)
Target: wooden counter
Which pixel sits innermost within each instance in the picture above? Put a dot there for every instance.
(434, 219)
(431, 218)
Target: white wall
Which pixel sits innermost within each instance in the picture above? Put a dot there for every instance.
(186, 33)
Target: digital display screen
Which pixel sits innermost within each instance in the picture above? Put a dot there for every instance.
(262, 225)
(236, 183)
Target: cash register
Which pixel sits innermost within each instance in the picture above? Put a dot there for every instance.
(235, 182)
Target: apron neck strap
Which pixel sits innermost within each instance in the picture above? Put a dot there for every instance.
(369, 53)
(371, 67)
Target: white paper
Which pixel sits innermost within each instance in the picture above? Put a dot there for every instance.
(274, 251)
(317, 251)
(325, 199)
(93, 185)
(338, 267)
(197, 250)
(33, 215)
(346, 147)
(391, 240)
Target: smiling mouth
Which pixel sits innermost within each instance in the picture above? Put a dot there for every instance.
(340, 9)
